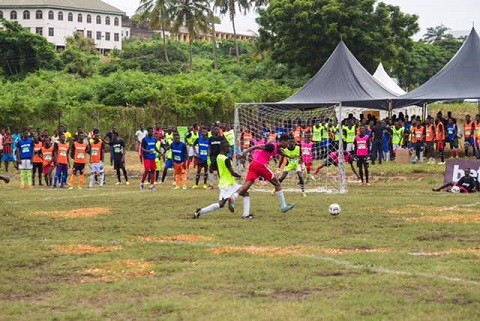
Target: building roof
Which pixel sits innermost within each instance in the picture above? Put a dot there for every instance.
(79, 5)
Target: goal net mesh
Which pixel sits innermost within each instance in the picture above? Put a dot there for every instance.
(259, 124)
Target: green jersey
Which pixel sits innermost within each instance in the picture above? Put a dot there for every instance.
(317, 133)
(293, 158)
(397, 135)
(226, 178)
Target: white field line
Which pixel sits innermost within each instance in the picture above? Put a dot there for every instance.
(74, 196)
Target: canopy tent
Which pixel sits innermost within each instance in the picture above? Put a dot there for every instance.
(341, 79)
(458, 80)
(382, 76)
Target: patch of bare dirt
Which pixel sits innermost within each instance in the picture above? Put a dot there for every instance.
(83, 249)
(187, 238)
(75, 213)
(448, 218)
(475, 252)
(290, 251)
(119, 270)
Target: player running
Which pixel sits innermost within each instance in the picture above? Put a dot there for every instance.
(332, 159)
(226, 184)
(259, 168)
(293, 153)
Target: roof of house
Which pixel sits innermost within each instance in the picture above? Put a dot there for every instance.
(81, 5)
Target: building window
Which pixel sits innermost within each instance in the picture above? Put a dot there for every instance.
(107, 20)
(89, 19)
(116, 37)
(26, 15)
(39, 15)
(51, 32)
(116, 21)
(51, 15)
(60, 16)
(126, 33)
(1, 14)
(70, 16)
(39, 31)
(80, 17)
(99, 20)
(13, 15)
(99, 35)
(107, 36)
(89, 34)
(80, 32)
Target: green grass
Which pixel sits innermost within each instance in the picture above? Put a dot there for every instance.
(303, 280)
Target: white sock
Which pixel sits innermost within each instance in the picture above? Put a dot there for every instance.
(246, 206)
(281, 198)
(234, 196)
(210, 208)
(92, 179)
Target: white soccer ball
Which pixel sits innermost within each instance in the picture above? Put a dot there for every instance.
(455, 189)
(334, 209)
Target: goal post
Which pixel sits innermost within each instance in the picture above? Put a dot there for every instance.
(259, 124)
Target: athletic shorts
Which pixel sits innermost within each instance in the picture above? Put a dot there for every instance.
(350, 147)
(470, 141)
(191, 151)
(202, 163)
(149, 165)
(8, 158)
(325, 143)
(98, 167)
(213, 164)
(396, 146)
(226, 192)
(361, 160)
(293, 167)
(159, 164)
(440, 145)
(25, 164)
(179, 170)
(48, 168)
(256, 170)
(453, 144)
(118, 164)
(168, 163)
(78, 168)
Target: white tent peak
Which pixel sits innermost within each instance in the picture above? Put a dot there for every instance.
(382, 76)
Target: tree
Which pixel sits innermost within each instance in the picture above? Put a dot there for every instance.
(213, 21)
(194, 15)
(156, 13)
(230, 7)
(303, 33)
(80, 56)
(438, 33)
(22, 52)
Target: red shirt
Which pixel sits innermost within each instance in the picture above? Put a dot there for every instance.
(7, 144)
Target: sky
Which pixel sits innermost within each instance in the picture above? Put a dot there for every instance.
(455, 14)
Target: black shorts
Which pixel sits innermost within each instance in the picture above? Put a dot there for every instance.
(213, 164)
(362, 160)
(78, 168)
(202, 164)
(118, 164)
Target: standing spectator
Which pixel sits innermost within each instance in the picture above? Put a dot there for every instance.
(2, 134)
(418, 137)
(37, 160)
(377, 141)
(8, 156)
(140, 135)
(468, 132)
(452, 137)
(24, 158)
(440, 139)
(119, 152)
(361, 151)
(108, 139)
(430, 140)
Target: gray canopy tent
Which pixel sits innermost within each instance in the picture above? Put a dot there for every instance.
(342, 79)
(458, 80)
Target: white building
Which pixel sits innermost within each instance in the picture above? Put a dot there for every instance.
(58, 19)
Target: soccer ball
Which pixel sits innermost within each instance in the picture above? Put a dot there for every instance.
(334, 209)
(455, 189)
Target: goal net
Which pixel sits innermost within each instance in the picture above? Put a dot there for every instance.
(316, 131)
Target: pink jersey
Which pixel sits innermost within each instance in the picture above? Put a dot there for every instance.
(262, 156)
(347, 157)
(307, 152)
(362, 145)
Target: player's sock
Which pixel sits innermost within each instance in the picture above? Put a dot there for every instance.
(184, 178)
(81, 180)
(281, 199)
(152, 177)
(197, 179)
(29, 177)
(92, 179)
(205, 178)
(22, 178)
(246, 206)
(72, 180)
(144, 176)
(210, 208)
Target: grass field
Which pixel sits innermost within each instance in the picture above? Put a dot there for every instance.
(396, 252)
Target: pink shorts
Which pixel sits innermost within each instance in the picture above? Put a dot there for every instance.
(256, 170)
(149, 165)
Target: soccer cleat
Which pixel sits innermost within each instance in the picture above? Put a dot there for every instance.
(127, 183)
(248, 217)
(197, 213)
(287, 208)
(194, 186)
(313, 178)
(231, 206)
(7, 180)
(117, 183)
(184, 187)
(177, 187)
(205, 186)
(79, 187)
(142, 186)
(441, 163)
(22, 186)
(304, 194)
(273, 192)
(70, 188)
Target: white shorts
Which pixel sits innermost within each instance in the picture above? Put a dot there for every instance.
(25, 164)
(98, 167)
(226, 192)
(350, 147)
(395, 146)
(190, 151)
(293, 169)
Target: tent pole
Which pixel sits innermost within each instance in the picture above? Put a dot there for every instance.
(390, 109)
(342, 188)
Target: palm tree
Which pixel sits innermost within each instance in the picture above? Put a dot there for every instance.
(194, 15)
(213, 20)
(230, 7)
(156, 13)
(437, 33)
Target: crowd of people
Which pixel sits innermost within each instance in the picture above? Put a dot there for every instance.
(48, 159)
